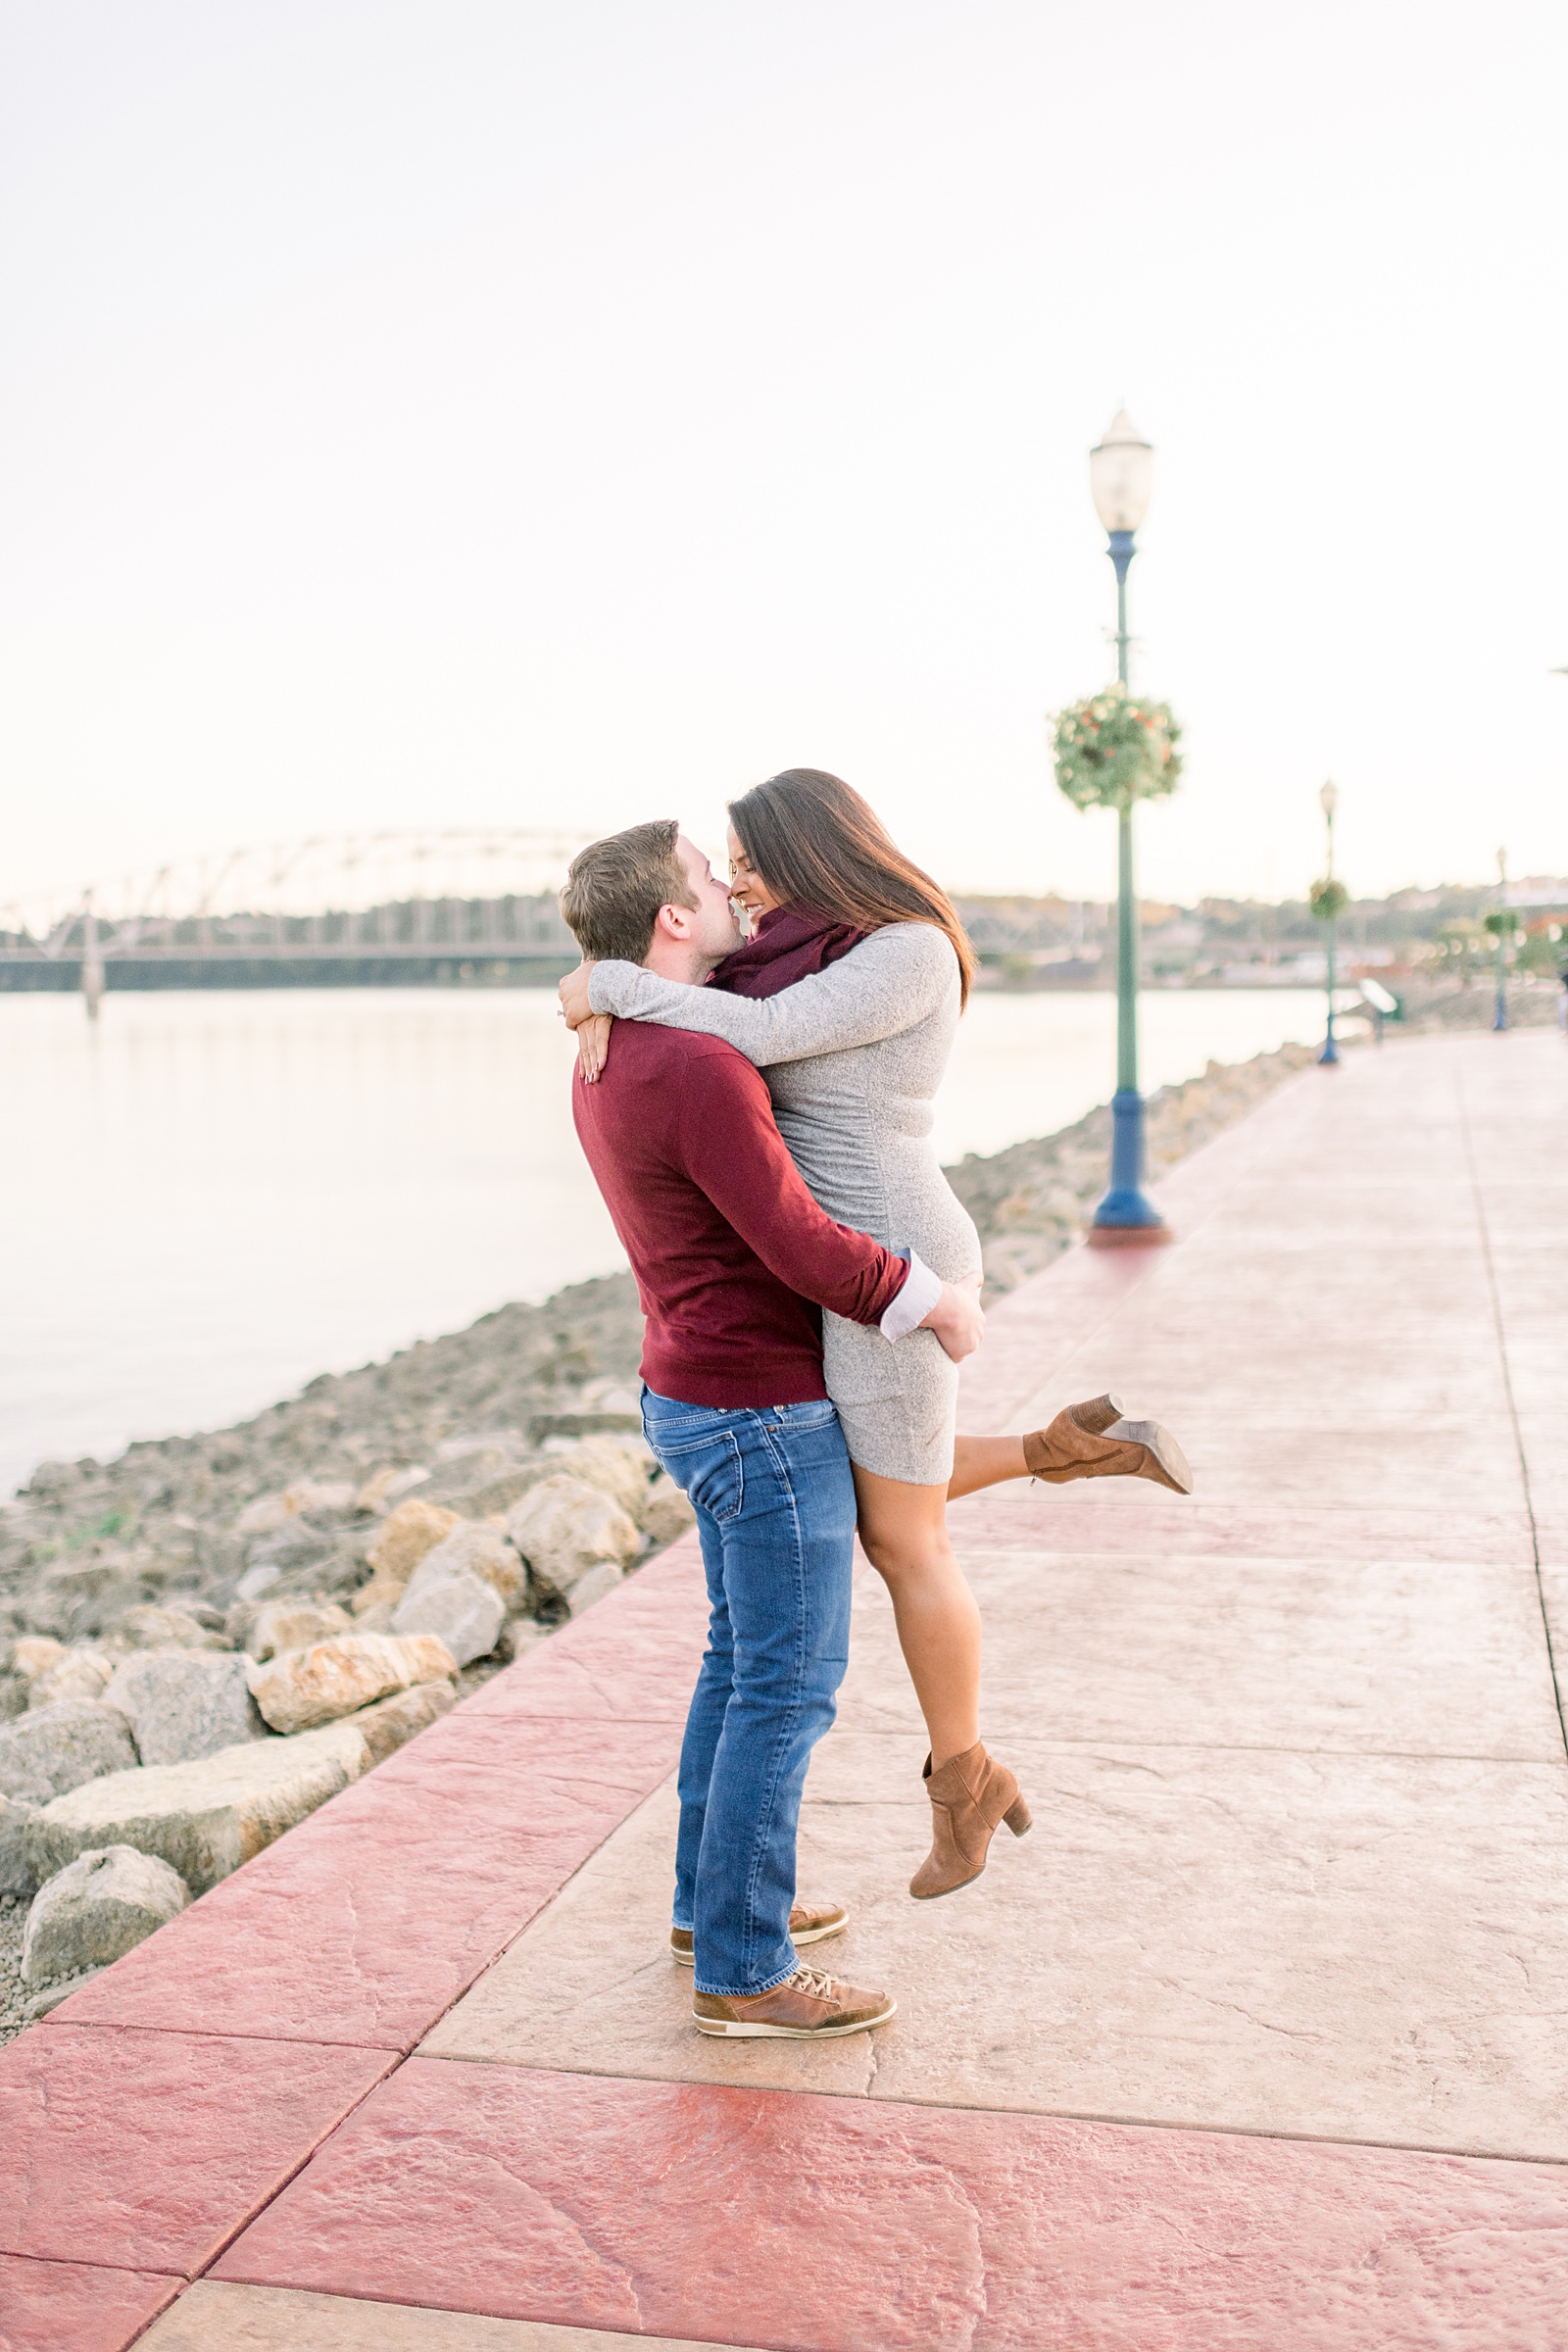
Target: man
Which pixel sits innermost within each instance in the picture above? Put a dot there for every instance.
(734, 1260)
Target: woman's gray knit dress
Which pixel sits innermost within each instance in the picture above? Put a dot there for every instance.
(853, 1056)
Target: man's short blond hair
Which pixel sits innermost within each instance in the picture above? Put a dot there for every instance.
(616, 887)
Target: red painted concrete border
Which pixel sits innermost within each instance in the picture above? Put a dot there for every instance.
(823, 2225)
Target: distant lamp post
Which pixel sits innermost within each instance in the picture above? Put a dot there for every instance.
(1111, 751)
(1328, 900)
(1501, 923)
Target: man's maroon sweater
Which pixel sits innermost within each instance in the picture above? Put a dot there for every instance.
(728, 1247)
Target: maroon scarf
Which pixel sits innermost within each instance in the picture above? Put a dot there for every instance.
(789, 943)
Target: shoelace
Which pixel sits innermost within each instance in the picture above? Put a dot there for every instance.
(816, 1983)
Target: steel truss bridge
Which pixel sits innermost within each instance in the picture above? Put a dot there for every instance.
(359, 909)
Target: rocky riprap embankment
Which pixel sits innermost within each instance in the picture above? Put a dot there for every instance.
(203, 1640)
(180, 1691)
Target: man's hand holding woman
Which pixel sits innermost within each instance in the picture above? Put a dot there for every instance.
(958, 1319)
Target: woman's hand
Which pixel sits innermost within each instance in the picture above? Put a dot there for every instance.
(573, 995)
(592, 1046)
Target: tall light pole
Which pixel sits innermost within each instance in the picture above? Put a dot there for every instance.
(1327, 802)
(1121, 482)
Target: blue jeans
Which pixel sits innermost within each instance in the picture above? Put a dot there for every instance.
(775, 1512)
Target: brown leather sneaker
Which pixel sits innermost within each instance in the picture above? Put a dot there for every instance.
(807, 2007)
(1094, 1440)
(810, 1923)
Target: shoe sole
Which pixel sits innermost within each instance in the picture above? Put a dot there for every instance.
(723, 2028)
(812, 1936)
(1169, 1462)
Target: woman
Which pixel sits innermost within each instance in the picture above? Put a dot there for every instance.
(848, 997)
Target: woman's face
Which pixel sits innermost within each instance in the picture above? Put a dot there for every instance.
(747, 887)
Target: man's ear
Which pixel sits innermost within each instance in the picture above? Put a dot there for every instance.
(675, 923)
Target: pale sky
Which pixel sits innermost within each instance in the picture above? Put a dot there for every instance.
(441, 412)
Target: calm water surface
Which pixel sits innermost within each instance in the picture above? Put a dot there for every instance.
(210, 1198)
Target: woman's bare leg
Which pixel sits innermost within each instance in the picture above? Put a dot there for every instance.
(1092, 1439)
(984, 1462)
(906, 1539)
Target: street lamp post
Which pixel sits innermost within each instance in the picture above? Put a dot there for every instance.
(1501, 925)
(1121, 482)
(1329, 801)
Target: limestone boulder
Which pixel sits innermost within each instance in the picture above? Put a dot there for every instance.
(98, 1907)
(183, 1703)
(15, 1872)
(665, 1513)
(33, 1654)
(373, 1491)
(377, 1619)
(386, 1725)
(303, 1688)
(320, 1498)
(619, 1467)
(280, 1625)
(203, 1818)
(54, 1748)
(152, 1627)
(407, 1535)
(75, 1674)
(461, 1609)
(564, 1529)
(592, 1587)
(481, 1551)
(519, 1636)
(381, 1593)
(262, 1516)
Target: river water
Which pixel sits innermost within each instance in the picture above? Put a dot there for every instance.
(210, 1198)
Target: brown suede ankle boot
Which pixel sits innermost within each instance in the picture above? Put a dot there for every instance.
(1093, 1440)
(969, 1795)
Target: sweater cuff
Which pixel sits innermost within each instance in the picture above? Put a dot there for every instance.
(915, 1301)
(607, 982)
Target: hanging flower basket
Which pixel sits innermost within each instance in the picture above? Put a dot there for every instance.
(1328, 901)
(1115, 749)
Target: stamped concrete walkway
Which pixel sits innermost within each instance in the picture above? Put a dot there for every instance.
(1258, 2042)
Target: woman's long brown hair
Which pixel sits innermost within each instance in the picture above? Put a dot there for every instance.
(815, 842)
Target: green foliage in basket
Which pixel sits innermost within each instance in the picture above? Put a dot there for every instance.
(1116, 748)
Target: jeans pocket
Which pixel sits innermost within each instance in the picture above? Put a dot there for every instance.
(708, 1468)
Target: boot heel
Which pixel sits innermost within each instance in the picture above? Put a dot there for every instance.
(1019, 1817)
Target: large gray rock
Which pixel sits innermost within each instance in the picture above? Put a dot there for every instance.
(15, 1872)
(482, 1550)
(462, 1609)
(205, 1818)
(565, 1528)
(183, 1703)
(303, 1688)
(96, 1908)
(51, 1749)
